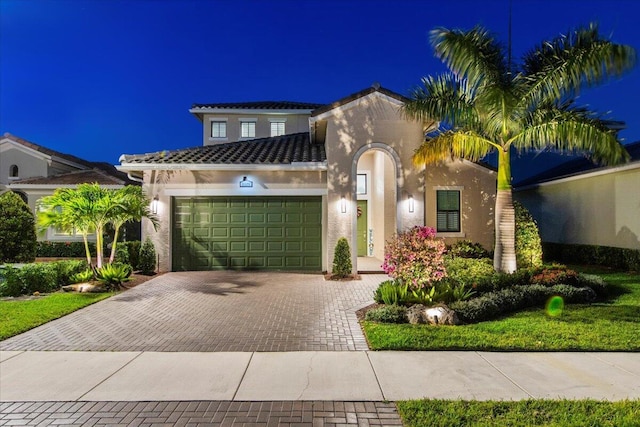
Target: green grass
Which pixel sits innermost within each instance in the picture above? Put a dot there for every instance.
(613, 325)
(22, 315)
(447, 413)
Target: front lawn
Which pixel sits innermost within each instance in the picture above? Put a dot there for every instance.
(606, 326)
(18, 316)
(447, 413)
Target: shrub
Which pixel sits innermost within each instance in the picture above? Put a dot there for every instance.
(467, 249)
(342, 259)
(468, 270)
(30, 278)
(17, 230)
(390, 292)
(387, 314)
(48, 249)
(622, 258)
(12, 285)
(122, 253)
(66, 269)
(555, 275)
(81, 277)
(596, 283)
(147, 259)
(133, 248)
(527, 238)
(415, 257)
(113, 275)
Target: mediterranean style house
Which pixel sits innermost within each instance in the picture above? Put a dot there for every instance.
(581, 203)
(274, 185)
(33, 171)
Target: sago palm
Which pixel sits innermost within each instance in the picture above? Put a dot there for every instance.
(486, 104)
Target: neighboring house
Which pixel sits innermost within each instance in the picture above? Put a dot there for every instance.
(33, 171)
(276, 184)
(581, 203)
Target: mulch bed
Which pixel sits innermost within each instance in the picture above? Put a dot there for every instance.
(360, 314)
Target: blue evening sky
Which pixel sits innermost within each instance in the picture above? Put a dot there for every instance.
(99, 78)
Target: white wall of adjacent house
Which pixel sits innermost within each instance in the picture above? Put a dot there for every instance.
(591, 209)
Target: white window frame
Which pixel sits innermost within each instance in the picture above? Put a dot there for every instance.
(247, 121)
(213, 120)
(278, 122)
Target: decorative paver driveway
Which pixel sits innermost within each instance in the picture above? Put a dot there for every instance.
(215, 311)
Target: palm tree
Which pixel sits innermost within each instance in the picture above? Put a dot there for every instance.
(131, 204)
(487, 104)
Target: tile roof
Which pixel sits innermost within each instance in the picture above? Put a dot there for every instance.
(285, 149)
(375, 88)
(47, 151)
(73, 178)
(262, 105)
(575, 167)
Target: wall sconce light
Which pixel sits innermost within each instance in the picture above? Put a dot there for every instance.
(245, 183)
(411, 205)
(154, 204)
(343, 205)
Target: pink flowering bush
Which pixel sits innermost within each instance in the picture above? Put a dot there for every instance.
(415, 257)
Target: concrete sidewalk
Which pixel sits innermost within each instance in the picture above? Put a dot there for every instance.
(319, 376)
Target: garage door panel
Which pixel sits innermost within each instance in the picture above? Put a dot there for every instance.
(247, 233)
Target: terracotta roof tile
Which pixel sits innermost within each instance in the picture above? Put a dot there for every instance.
(262, 105)
(285, 149)
(73, 178)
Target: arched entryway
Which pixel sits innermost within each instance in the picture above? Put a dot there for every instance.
(376, 181)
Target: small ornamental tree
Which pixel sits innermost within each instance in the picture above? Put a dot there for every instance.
(528, 242)
(415, 257)
(147, 260)
(17, 230)
(342, 259)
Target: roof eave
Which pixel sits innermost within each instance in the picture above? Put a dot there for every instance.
(580, 175)
(214, 110)
(295, 166)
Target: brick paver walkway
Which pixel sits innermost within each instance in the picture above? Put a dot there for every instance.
(215, 311)
(201, 413)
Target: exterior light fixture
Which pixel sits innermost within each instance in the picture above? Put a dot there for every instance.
(154, 204)
(411, 205)
(343, 205)
(245, 183)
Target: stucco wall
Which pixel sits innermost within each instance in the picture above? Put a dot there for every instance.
(28, 165)
(598, 210)
(294, 123)
(166, 184)
(477, 187)
(371, 122)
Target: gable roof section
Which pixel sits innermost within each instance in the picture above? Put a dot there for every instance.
(72, 178)
(576, 167)
(281, 150)
(358, 95)
(47, 151)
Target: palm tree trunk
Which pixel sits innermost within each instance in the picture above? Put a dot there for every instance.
(504, 258)
(86, 248)
(113, 246)
(99, 247)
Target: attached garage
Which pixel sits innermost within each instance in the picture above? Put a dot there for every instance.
(259, 232)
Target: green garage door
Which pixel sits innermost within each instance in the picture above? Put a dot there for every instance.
(262, 233)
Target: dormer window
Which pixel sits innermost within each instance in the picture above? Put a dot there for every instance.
(218, 129)
(13, 172)
(277, 126)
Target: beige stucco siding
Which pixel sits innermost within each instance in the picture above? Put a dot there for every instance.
(477, 186)
(592, 210)
(166, 184)
(28, 165)
(293, 124)
(375, 123)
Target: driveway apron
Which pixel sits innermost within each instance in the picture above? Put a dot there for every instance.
(215, 311)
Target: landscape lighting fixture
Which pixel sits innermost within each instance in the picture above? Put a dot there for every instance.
(245, 183)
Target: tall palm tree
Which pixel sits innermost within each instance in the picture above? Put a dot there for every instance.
(131, 204)
(487, 104)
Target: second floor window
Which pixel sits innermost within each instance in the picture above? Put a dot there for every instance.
(13, 171)
(218, 129)
(277, 128)
(448, 216)
(247, 129)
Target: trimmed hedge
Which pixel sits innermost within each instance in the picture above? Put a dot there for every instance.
(39, 277)
(46, 249)
(494, 304)
(387, 314)
(620, 258)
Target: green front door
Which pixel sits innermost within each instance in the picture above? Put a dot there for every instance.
(262, 233)
(362, 228)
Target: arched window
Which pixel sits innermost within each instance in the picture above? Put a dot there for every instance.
(13, 171)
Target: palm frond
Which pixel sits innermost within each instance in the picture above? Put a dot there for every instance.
(443, 98)
(474, 55)
(453, 144)
(560, 67)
